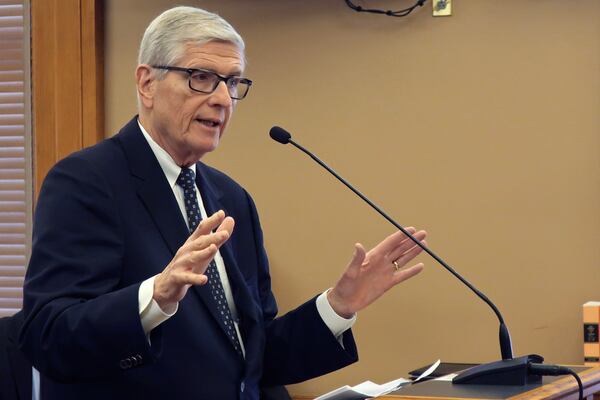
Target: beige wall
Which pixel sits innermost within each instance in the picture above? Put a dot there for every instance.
(483, 128)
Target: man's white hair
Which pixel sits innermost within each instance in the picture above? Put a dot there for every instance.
(167, 35)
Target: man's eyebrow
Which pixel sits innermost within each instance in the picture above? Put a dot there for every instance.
(236, 72)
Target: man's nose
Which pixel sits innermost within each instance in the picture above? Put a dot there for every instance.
(221, 95)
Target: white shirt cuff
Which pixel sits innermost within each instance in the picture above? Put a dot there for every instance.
(336, 324)
(150, 312)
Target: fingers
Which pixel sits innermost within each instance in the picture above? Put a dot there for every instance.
(204, 236)
(192, 247)
(189, 278)
(209, 224)
(203, 244)
(197, 261)
(407, 273)
(407, 249)
(410, 254)
(188, 266)
(171, 285)
(392, 241)
(227, 225)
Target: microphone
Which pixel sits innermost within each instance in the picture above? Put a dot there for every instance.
(509, 370)
(280, 135)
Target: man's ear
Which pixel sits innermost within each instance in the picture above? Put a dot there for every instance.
(146, 84)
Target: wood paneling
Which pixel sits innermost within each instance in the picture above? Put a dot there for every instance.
(92, 57)
(67, 79)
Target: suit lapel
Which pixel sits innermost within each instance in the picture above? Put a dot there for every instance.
(157, 196)
(153, 189)
(152, 186)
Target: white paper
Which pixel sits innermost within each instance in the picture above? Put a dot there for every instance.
(362, 390)
(370, 389)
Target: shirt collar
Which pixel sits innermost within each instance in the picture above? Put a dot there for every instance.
(168, 165)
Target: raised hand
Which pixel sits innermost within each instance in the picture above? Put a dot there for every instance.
(370, 275)
(191, 260)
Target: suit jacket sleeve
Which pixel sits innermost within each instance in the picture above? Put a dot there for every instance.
(72, 284)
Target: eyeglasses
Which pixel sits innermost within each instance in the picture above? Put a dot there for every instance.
(204, 81)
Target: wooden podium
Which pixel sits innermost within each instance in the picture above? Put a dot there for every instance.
(551, 388)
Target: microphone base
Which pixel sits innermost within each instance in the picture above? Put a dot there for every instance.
(511, 372)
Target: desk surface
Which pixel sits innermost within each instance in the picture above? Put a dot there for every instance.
(551, 388)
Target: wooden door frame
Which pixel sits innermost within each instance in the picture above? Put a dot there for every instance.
(67, 68)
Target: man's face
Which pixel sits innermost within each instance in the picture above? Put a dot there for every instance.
(188, 124)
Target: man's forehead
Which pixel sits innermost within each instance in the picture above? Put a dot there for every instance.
(218, 55)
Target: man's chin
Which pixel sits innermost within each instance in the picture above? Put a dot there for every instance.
(200, 151)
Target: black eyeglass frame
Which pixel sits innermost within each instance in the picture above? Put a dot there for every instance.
(221, 78)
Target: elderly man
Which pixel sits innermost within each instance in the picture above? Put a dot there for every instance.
(148, 278)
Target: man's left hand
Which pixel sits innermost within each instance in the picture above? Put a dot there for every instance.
(370, 275)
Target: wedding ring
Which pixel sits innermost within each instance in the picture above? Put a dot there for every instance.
(396, 266)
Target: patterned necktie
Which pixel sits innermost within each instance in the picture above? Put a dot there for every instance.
(186, 180)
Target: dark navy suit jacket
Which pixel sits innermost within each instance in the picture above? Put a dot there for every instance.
(106, 220)
(15, 370)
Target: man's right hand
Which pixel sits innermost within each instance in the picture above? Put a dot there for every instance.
(191, 260)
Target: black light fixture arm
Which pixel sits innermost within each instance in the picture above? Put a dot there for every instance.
(390, 13)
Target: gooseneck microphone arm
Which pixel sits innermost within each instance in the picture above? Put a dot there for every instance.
(282, 136)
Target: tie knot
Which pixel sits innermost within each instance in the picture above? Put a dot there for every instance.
(186, 178)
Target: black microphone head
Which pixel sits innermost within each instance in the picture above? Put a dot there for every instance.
(280, 135)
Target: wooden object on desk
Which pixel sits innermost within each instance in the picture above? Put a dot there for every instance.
(591, 342)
